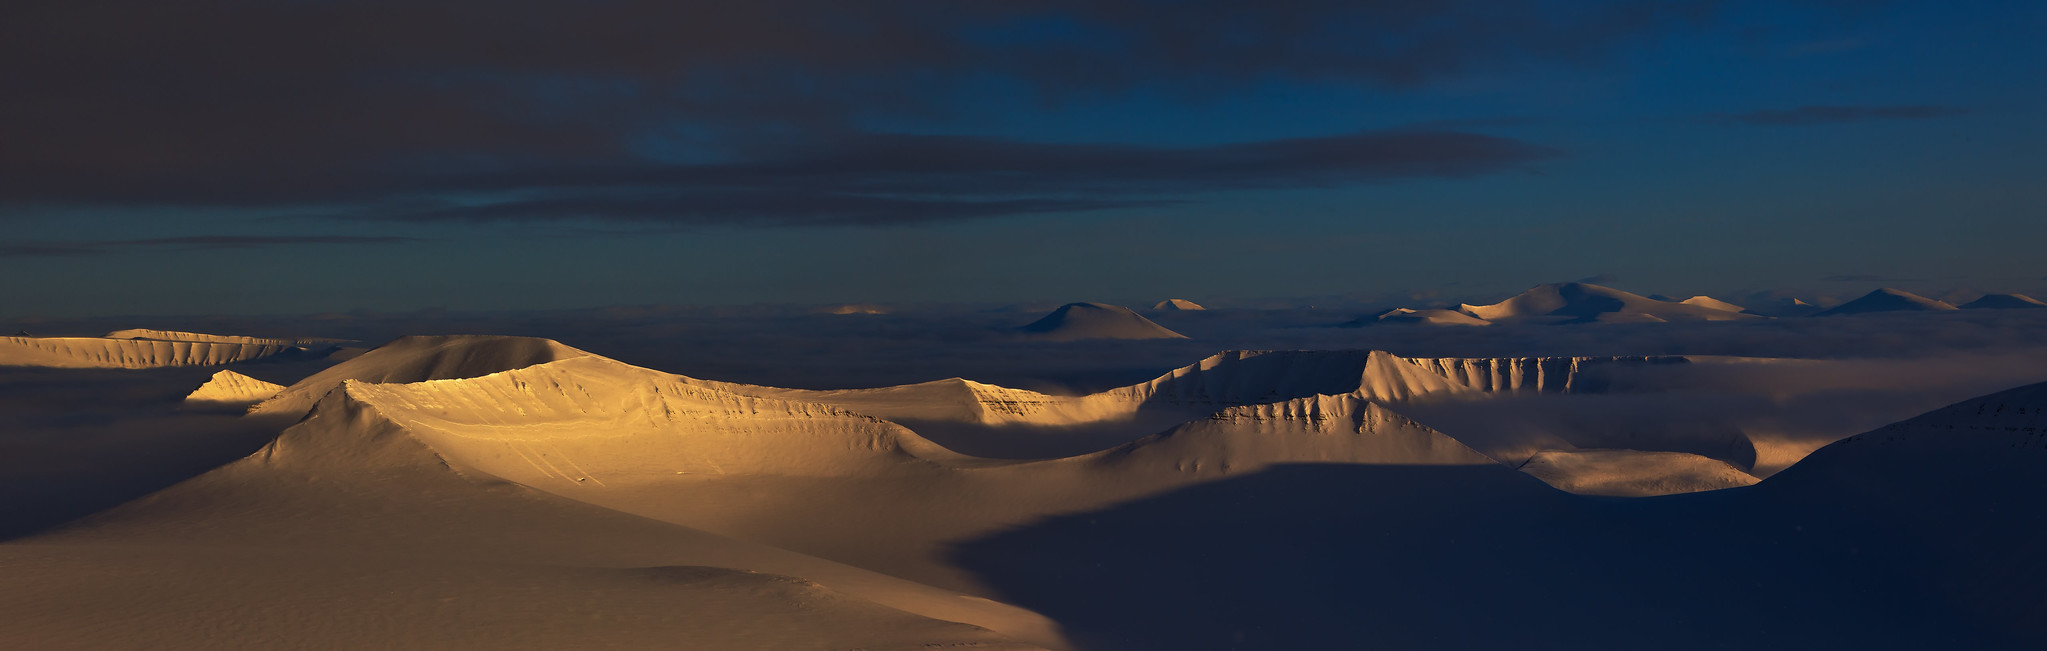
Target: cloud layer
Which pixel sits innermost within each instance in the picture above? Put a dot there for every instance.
(655, 111)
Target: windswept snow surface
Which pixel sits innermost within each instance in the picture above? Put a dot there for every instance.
(591, 419)
(547, 497)
(418, 359)
(357, 529)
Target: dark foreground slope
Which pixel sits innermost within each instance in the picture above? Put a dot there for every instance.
(1925, 534)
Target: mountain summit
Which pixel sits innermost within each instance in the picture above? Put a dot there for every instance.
(1889, 299)
(1075, 321)
(2003, 302)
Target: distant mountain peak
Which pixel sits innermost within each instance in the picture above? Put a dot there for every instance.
(1582, 302)
(2003, 302)
(1889, 299)
(1077, 321)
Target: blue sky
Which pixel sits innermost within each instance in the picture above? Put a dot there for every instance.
(284, 157)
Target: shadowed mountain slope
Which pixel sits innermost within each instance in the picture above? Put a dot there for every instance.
(1925, 533)
(1888, 300)
(1077, 321)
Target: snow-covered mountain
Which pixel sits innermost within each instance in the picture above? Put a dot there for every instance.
(2004, 302)
(1888, 299)
(1584, 303)
(1076, 321)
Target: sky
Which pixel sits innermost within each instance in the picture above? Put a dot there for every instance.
(307, 156)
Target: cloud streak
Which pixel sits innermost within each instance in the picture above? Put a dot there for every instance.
(874, 180)
(195, 242)
(1817, 115)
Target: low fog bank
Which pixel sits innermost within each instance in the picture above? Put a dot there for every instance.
(803, 348)
(77, 441)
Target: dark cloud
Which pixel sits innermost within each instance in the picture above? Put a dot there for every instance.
(874, 180)
(102, 247)
(1809, 115)
(763, 207)
(275, 103)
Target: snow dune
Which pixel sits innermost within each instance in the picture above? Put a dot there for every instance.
(591, 419)
(392, 509)
(418, 359)
(561, 499)
(539, 413)
(587, 420)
